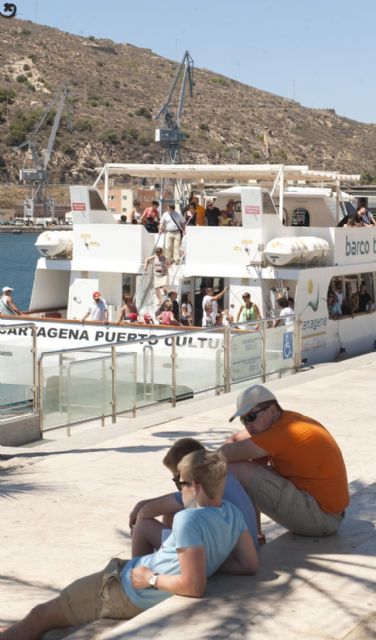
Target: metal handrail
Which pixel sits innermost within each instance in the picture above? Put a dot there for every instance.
(171, 340)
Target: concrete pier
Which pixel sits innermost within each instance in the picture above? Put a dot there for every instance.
(65, 504)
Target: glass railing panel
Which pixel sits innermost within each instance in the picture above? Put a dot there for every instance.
(89, 388)
(16, 370)
(53, 392)
(245, 353)
(153, 366)
(199, 362)
(126, 381)
(71, 389)
(279, 348)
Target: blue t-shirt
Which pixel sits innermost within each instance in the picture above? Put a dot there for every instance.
(217, 529)
(237, 495)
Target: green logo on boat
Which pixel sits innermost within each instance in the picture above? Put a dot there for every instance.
(314, 296)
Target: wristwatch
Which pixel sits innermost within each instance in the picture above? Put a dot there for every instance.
(153, 581)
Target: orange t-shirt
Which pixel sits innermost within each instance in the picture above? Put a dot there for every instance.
(305, 453)
(200, 215)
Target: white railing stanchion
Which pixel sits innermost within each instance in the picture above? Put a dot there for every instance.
(173, 371)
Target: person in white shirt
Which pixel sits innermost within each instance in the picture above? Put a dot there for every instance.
(173, 225)
(7, 306)
(98, 311)
(210, 298)
(287, 313)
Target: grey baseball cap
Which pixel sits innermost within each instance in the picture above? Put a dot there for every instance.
(250, 398)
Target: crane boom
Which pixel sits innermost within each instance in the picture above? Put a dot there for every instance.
(38, 175)
(170, 135)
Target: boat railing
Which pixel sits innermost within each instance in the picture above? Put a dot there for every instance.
(96, 382)
(18, 371)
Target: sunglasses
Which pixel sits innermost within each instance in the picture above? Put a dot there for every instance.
(250, 417)
(180, 483)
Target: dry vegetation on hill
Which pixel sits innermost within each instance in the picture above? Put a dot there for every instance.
(115, 90)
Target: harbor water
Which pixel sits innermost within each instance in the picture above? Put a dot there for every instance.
(18, 258)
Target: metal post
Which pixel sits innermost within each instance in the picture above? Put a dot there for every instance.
(103, 387)
(298, 344)
(338, 197)
(227, 359)
(148, 349)
(263, 344)
(68, 398)
(35, 368)
(173, 371)
(135, 385)
(41, 395)
(113, 384)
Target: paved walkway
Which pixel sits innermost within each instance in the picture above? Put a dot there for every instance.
(65, 504)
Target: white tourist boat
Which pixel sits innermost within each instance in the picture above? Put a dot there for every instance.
(287, 243)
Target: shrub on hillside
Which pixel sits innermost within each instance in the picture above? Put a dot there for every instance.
(7, 95)
(22, 124)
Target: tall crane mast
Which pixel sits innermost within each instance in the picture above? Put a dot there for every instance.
(38, 175)
(169, 135)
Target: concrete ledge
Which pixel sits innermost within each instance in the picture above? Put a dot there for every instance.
(20, 430)
(298, 578)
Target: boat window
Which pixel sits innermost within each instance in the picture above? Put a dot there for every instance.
(267, 203)
(96, 201)
(300, 217)
(350, 294)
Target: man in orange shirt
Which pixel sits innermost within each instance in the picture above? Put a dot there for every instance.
(303, 486)
(200, 212)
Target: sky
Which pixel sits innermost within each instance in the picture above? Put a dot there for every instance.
(317, 52)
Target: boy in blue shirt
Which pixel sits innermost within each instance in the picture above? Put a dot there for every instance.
(207, 536)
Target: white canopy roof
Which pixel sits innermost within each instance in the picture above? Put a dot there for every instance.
(225, 172)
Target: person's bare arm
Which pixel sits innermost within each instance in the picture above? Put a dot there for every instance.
(243, 559)
(14, 308)
(236, 437)
(239, 313)
(161, 506)
(147, 261)
(220, 294)
(190, 582)
(85, 316)
(242, 450)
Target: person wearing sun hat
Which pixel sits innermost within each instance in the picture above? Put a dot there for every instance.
(303, 486)
(7, 306)
(98, 311)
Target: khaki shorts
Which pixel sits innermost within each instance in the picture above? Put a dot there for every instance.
(160, 281)
(99, 595)
(294, 509)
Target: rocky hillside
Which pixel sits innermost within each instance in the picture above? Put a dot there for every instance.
(115, 90)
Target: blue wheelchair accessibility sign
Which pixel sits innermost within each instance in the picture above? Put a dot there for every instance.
(288, 345)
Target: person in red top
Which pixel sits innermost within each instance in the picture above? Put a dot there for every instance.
(150, 217)
(303, 485)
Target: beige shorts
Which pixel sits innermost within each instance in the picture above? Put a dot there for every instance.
(294, 509)
(160, 281)
(99, 595)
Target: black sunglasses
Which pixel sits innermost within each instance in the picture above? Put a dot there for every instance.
(180, 483)
(250, 417)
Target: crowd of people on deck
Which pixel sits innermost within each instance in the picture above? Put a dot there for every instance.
(347, 303)
(194, 214)
(280, 463)
(362, 217)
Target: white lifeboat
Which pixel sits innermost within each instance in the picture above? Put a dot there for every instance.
(282, 251)
(52, 244)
